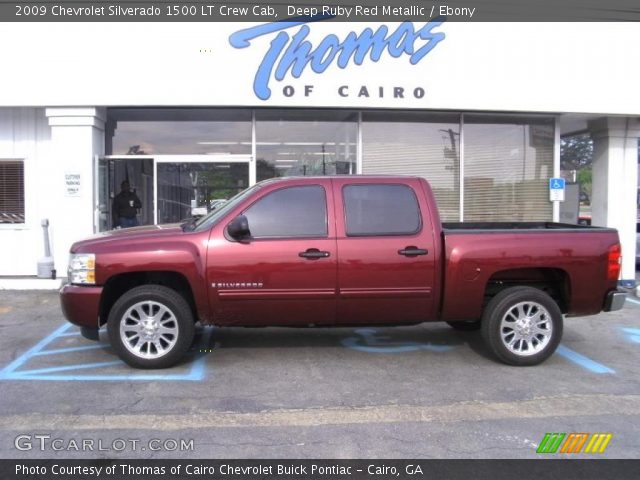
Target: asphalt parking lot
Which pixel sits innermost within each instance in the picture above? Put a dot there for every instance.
(411, 392)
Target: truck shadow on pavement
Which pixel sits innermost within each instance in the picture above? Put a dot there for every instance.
(64, 355)
(365, 339)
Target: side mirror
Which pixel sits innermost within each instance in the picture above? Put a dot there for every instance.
(238, 228)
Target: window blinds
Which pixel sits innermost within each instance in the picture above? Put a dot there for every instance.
(11, 191)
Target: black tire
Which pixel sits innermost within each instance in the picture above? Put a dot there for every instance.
(175, 318)
(465, 326)
(505, 339)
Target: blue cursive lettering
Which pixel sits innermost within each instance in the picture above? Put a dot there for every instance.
(290, 54)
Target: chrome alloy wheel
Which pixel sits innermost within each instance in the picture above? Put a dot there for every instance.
(526, 328)
(149, 329)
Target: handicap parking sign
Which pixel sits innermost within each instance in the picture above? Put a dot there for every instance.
(556, 189)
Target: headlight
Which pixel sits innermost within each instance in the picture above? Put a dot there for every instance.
(82, 268)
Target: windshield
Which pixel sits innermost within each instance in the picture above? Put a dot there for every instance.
(218, 213)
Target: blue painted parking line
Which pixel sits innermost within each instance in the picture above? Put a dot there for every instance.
(632, 300)
(65, 368)
(18, 362)
(17, 370)
(70, 349)
(70, 334)
(584, 362)
(632, 333)
(115, 378)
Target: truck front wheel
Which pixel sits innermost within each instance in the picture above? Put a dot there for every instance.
(522, 326)
(151, 326)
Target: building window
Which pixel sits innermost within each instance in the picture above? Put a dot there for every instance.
(173, 131)
(508, 161)
(305, 142)
(416, 143)
(11, 191)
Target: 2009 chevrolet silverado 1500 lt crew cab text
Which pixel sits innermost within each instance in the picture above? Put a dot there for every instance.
(338, 251)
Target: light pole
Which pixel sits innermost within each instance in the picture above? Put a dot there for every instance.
(324, 164)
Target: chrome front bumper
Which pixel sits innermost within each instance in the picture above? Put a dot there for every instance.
(614, 301)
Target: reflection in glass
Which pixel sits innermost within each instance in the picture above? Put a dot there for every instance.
(303, 143)
(186, 189)
(508, 163)
(416, 143)
(178, 131)
(290, 212)
(381, 210)
(576, 166)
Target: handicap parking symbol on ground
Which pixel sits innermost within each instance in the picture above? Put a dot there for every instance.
(65, 356)
(369, 341)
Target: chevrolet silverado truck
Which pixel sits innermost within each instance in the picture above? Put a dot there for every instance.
(339, 251)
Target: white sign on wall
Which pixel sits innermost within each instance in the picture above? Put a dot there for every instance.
(499, 66)
(72, 184)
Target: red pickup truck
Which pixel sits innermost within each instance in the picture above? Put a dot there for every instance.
(339, 251)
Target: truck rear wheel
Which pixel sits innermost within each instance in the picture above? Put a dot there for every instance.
(522, 326)
(151, 326)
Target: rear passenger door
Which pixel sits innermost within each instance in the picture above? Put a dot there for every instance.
(386, 266)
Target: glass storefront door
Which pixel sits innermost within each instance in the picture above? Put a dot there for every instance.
(112, 171)
(171, 188)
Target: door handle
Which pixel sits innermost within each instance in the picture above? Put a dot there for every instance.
(412, 251)
(313, 254)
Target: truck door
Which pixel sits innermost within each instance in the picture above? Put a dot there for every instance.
(284, 273)
(386, 269)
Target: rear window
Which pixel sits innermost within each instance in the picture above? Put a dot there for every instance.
(381, 209)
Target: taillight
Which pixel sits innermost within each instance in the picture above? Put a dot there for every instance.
(613, 262)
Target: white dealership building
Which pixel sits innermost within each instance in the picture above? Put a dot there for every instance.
(193, 112)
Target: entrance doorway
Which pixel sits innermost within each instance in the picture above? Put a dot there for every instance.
(112, 172)
(171, 188)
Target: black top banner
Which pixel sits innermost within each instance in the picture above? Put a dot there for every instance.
(333, 10)
(319, 469)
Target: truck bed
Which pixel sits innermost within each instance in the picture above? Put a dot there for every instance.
(477, 254)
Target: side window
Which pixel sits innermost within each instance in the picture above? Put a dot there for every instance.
(381, 210)
(290, 212)
(11, 191)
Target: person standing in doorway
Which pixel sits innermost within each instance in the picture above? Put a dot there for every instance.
(125, 207)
